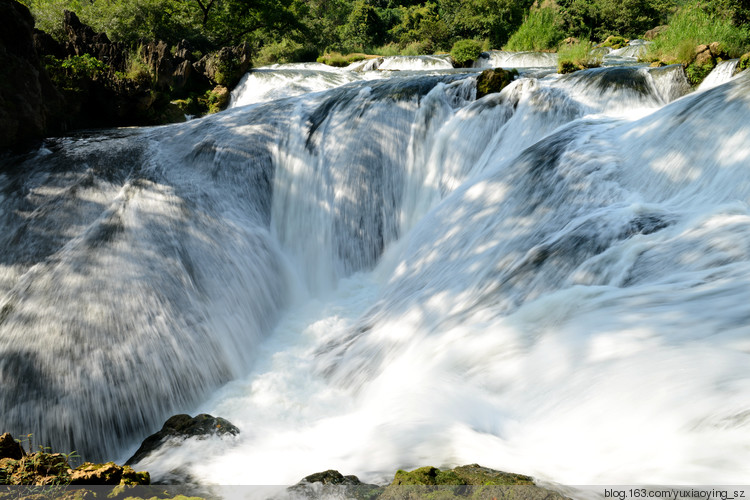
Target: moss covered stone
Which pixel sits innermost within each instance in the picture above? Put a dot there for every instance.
(490, 81)
(744, 62)
(615, 42)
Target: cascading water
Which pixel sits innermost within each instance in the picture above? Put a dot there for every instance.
(550, 280)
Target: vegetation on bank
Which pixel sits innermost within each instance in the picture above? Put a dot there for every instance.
(576, 56)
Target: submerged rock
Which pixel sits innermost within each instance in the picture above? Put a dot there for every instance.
(183, 427)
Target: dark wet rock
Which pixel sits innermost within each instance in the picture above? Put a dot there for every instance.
(332, 483)
(9, 448)
(490, 81)
(184, 427)
(30, 106)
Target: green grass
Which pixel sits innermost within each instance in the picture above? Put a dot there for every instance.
(339, 60)
(691, 26)
(577, 56)
(542, 30)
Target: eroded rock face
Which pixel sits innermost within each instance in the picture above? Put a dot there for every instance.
(30, 106)
(184, 427)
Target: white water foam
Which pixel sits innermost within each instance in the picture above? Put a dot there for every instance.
(538, 281)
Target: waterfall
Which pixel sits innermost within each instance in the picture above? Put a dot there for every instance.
(722, 73)
(390, 273)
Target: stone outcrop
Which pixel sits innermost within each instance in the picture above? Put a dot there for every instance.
(30, 105)
(39, 97)
(183, 427)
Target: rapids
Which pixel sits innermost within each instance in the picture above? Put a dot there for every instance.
(370, 270)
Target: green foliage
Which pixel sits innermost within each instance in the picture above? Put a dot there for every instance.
(363, 27)
(389, 49)
(424, 24)
(284, 51)
(694, 25)
(494, 20)
(73, 72)
(577, 56)
(597, 19)
(542, 30)
(466, 51)
(744, 62)
(416, 48)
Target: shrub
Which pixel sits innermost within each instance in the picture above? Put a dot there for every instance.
(542, 30)
(416, 49)
(72, 73)
(577, 56)
(284, 51)
(466, 51)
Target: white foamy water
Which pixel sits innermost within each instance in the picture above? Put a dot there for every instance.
(509, 59)
(722, 73)
(552, 280)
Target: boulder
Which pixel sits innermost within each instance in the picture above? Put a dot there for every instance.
(9, 448)
(226, 66)
(183, 427)
(703, 56)
(494, 80)
(333, 484)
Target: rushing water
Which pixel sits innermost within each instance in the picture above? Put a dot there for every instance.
(371, 273)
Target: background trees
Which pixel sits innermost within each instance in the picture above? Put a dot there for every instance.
(288, 30)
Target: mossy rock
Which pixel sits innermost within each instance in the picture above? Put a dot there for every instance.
(466, 482)
(744, 63)
(615, 42)
(490, 81)
(696, 73)
(565, 67)
(429, 476)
